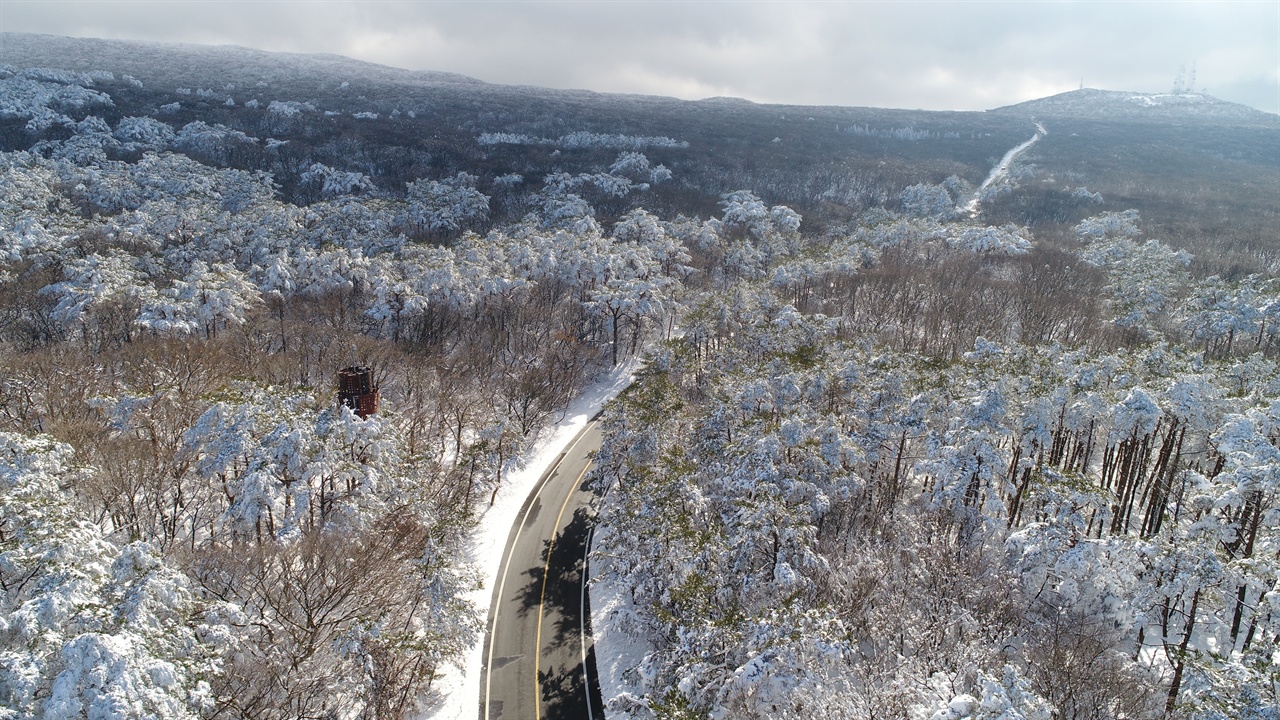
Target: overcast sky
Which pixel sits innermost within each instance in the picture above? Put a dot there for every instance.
(941, 55)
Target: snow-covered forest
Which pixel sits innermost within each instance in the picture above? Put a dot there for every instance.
(871, 492)
(191, 526)
(889, 458)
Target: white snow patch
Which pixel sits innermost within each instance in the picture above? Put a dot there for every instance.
(460, 687)
(617, 651)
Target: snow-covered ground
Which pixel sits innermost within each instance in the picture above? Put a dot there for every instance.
(460, 687)
(616, 651)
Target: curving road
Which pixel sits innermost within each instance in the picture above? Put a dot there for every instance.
(538, 658)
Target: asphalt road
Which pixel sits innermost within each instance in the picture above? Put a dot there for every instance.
(539, 662)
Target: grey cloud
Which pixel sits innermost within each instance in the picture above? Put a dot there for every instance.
(936, 55)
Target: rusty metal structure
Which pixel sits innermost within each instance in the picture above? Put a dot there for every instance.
(357, 391)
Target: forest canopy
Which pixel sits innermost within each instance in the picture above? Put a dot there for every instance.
(907, 442)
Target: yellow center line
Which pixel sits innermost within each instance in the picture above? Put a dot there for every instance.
(546, 572)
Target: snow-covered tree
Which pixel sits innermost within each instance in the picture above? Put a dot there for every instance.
(1007, 240)
(210, 297)
(633, 291)
(1216, 314)
(1144, 279)
(749, 236)
(927, 201)
(443, 208)
(215, 143)
(101, 297)
(144, 133)
(88, 628)
(332, 182)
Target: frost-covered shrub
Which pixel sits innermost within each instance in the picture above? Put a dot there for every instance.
(44, 103)
(216, 142)
(289, 108)
(333, 182)
(927, 201)
(144, 133)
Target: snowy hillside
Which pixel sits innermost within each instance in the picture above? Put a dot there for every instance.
(1117, 105)
(187, 62)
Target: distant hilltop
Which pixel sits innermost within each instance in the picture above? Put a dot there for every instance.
(1119, 105)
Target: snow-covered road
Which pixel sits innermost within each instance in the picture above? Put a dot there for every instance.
(999, 172)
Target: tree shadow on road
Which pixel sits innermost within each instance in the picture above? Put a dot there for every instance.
(563, 694)
(562, 594)
(568, 611)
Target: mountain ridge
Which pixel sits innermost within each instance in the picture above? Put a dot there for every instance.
(124, 56)
(136, 57)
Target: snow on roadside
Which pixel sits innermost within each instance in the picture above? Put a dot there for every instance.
(460, 687)
(616, 650)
